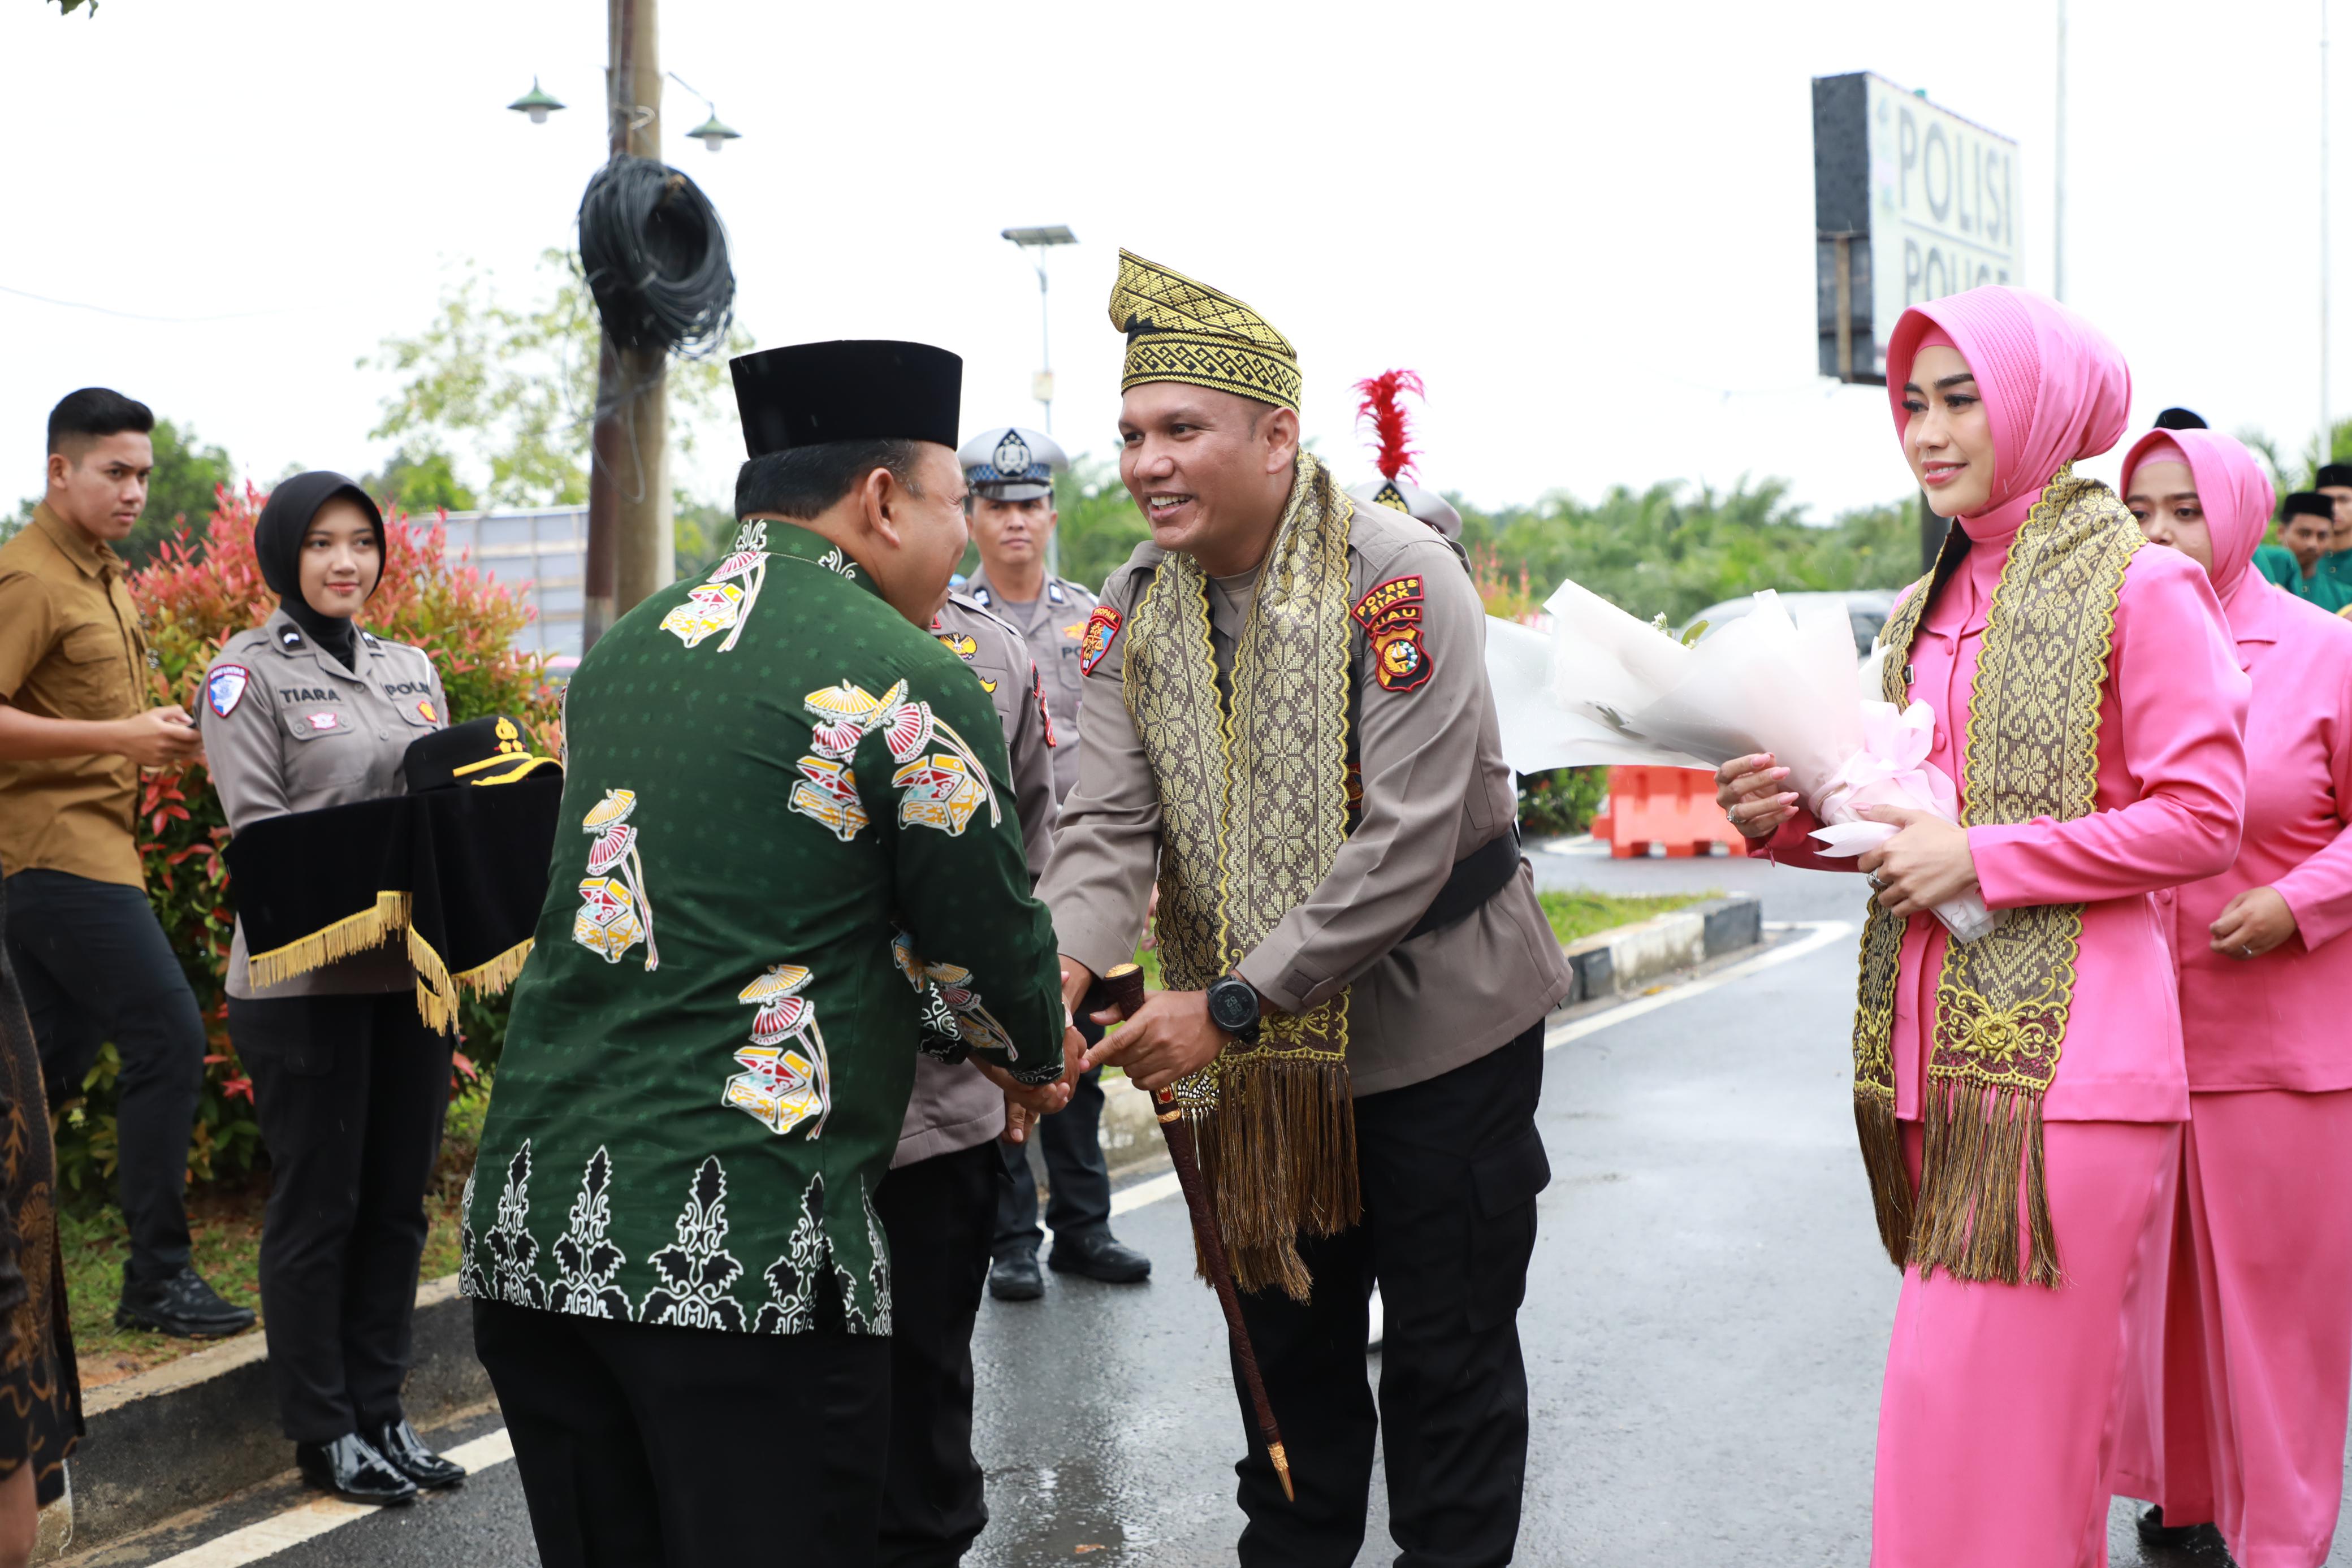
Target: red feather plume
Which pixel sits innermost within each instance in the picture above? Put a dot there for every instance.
(1382, 404)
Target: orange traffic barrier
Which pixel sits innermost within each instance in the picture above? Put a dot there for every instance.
(1671, 806)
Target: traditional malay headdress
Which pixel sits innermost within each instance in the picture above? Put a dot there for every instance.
(1179, 331)
(1254, 808)
(1381, 399)
(278, 548)
(2047, 555)
(2236, 498)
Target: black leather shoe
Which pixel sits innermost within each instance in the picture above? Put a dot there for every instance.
(183, 1306)
(2154, 1533)
(1100, 1256)
(352, 1469)
(406, 1451)
(1014, 1277)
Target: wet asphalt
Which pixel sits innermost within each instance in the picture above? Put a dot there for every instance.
(1706, 1322)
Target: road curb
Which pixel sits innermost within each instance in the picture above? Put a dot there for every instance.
(192, 1432)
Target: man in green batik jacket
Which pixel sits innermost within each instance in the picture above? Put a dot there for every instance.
(790, 860)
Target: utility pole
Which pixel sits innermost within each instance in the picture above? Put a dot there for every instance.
(2058, 201)
(630, 527)
(2327, 272)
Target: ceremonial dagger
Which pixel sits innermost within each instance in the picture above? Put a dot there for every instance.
(1122, 987)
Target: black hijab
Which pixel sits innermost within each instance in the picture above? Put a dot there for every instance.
(278, 545)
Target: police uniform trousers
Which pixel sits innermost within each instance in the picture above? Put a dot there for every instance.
(1450, 1169)
(96, 966)
(939, 1214)
(646, 1445)
(350, 1091)
(1076, 1171)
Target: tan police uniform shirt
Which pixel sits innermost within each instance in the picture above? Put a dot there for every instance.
(1052, 625)
(1435, 788)
(953, 1107)
(70, 647)
(287, 729)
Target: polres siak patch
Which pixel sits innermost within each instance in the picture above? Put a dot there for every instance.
(225, 688)
(1102, 631)
(1391, 616)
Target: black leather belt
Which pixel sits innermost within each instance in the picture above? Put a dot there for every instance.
(1476, 878)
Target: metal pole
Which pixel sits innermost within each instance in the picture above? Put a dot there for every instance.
(2058, 203)
(2326, 277)
(1845, 308)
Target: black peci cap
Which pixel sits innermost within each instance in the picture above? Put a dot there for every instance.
(493, 750)
(2333, 473)
(852, 388)
(2180, 419)
(2307, 503)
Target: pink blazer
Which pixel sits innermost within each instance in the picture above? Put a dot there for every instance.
(2172, 771)
(2282, 1020)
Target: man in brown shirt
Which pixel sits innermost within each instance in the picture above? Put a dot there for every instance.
(75, 730)
(1287, 724)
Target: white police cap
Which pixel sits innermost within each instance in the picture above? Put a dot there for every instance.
(1006, 462)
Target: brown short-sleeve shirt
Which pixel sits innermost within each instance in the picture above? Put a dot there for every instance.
(70, 647)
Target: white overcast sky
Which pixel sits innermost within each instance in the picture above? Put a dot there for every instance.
(1588, 225)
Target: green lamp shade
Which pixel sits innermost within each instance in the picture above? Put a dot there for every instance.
(715, 132)
(537, 104)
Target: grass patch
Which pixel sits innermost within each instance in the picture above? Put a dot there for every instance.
(225, 1226)
(1583, 912)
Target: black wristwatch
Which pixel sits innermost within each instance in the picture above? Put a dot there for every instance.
(1234, 1007)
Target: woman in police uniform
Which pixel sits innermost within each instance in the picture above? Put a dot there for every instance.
(307, 710)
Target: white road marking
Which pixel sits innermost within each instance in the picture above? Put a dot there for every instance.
(268, 1537)
(1128, 1198)
(1823, 932)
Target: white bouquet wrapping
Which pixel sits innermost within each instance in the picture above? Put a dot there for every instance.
(1606, 688)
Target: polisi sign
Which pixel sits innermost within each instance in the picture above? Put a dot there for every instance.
(1910, 203)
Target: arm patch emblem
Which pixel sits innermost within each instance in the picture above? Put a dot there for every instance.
(1102, 631)
(225, 688)
(1391, 617)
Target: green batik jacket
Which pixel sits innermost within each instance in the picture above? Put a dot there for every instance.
(789, 859)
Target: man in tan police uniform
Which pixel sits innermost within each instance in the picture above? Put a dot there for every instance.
(1288, 723)
(939, 1204)
(1010, 473)
(75, 730)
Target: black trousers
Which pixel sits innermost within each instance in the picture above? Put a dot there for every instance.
(1071, 1142)
(646, 1446)
(96, 966)
(940, 1213)
(1451, 1169)
(349, 1093)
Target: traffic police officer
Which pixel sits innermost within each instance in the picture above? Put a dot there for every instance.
(304, 712)
(1010, 473)
(939, 1203)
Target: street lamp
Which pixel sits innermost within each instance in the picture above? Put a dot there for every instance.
(713, 132)
(535, 103)
(1040, 385)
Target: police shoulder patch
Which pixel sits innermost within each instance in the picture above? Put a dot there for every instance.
(225, 688)
(1391, 616)
(1102, 629)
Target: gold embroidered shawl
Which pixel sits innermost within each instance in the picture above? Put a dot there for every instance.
(1254, 808)
(2031, 751)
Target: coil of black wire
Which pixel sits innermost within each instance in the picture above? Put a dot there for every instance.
(655, 258)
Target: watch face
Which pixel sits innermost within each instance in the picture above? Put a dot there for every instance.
(1232, 1005)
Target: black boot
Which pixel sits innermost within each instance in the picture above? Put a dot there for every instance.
(1100, 1256)
(183, 1306)
(2157, 1535)
(1014, 1277)
(397, 1441)
(352, 1469)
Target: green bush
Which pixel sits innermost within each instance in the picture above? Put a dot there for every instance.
(1561, 801)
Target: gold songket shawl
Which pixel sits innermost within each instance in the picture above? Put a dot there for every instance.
(1254, 808)
(2031, 751)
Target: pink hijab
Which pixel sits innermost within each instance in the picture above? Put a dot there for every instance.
(2236, 496)
(2055, 390)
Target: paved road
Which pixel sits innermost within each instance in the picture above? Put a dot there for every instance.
(1706, 1324)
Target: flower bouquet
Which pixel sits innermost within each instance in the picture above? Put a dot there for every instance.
(1605, 688)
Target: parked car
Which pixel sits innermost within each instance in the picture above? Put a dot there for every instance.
(1865, 608)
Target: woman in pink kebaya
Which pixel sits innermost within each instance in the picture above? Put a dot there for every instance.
(2246, 1343)
(2020, 1095)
